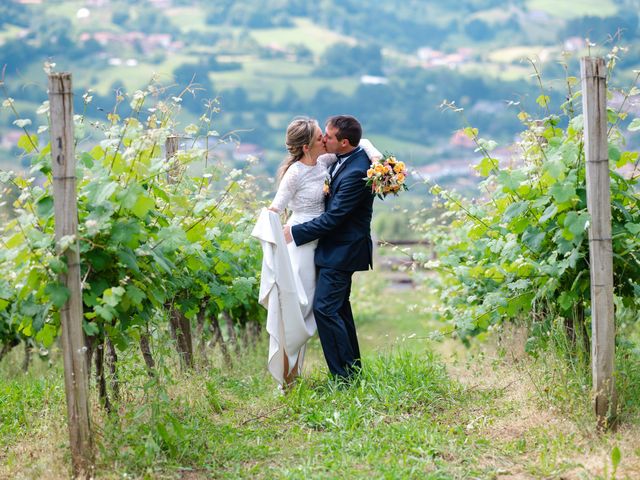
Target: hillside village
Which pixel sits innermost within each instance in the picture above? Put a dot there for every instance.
(122, 52)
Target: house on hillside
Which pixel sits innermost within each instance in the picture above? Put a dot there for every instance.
(430, 58)
(373, 80)
(459, 139)
(573, 44)
(244, 150)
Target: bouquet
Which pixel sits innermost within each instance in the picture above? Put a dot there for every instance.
(386, 175)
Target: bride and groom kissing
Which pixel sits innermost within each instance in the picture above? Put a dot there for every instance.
(308, 264)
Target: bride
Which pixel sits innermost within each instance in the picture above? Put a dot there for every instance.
(301, 179)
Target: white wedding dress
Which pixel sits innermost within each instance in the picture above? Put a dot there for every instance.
(301, 190)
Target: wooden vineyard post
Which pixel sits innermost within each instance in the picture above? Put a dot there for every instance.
(179, 323)
(171, 148)
(76, 373)
(594, 107)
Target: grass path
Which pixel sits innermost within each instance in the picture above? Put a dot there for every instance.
(421, 410)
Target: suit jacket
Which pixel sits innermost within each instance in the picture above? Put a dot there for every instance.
(344, 229)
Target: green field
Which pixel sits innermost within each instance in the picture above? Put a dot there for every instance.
(315, 38)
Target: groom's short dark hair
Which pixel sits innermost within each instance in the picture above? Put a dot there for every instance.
(347, 127)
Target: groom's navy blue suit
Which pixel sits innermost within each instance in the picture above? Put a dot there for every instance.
(344, 233)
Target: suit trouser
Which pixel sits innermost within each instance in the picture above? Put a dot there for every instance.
(334, 318)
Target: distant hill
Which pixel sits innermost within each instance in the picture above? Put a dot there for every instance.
(391, 62)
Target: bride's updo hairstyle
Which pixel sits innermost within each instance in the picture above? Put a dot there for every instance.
(300, 132)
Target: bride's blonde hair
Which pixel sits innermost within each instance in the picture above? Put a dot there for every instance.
(300, 132)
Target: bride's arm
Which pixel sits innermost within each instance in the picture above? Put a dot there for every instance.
(371, 151)
(286, 190)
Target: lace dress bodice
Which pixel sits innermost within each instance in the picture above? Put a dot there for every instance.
(301, 189)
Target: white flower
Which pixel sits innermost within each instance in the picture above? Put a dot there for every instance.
(43, 109)
(22, 122)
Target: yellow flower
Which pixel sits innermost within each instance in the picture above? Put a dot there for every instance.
(370, 173)
(379, 168)
(400, 178)
(391, 159)
(399, 167)
(386, 169)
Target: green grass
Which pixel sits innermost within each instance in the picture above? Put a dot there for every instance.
(413, 413)
(575, 9)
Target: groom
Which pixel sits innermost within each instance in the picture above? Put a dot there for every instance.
(344, 247)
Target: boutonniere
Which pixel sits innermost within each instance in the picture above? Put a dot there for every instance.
(326, 188)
